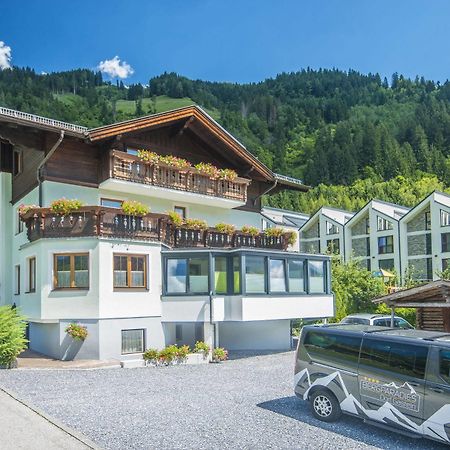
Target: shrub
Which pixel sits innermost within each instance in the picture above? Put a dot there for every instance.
(134, 208)
(64, 206)
(253, 231)
(208, 169)
(183, 352)
(175, 218)
(274, 232)
(225, 228)
(12, 335)
(148, 156)
(202, 347)
(151, 355)
(195, 224)
(168, 355)
(227, 174)
(219, 354)
(77, 331)
(291, 237)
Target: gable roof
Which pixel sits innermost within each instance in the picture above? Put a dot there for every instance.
(423, 202)
(373, 204)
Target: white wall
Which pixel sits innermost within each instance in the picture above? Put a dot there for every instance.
(6, 231)
(267, 335)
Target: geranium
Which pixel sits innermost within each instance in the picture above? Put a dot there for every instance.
(208, 169)
(202, 347)
(64, 206)
(274, 232)
(77, 331)
(219, 354)
(148, 156)
(175, 218)
(134, 208)
(227, 174)
(253, 231)
(173, 161)
(226, 228)
(195, 224)
(23, 209)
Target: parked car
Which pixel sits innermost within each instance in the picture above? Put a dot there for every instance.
(379, 320)
(394, 378)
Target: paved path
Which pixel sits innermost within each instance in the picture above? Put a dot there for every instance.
(24, 428)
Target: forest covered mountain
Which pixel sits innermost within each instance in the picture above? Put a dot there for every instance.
(352, 136)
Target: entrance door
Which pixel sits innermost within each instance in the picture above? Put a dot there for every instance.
(392, 382)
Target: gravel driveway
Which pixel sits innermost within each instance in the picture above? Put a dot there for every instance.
(245, 403)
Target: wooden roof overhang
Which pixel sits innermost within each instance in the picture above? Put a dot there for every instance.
(197, 121)
(435, 294)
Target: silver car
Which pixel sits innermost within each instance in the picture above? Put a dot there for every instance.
(379, 320)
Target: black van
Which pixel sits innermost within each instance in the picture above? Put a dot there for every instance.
(394, 378)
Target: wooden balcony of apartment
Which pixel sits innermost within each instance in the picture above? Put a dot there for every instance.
(99, 221)
(126, 167)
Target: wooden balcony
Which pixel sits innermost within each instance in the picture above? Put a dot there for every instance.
(131, 168)
(99, 221)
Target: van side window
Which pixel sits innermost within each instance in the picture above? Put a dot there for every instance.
(403, 359)
(444, 365)
(344, 349)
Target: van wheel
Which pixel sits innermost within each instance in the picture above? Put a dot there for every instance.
(324, 406)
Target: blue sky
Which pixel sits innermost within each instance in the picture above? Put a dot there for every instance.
(228, 40)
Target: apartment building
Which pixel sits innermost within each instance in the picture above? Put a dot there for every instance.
(324, 231)
(372, 236)
(140, 280)
(425, 238)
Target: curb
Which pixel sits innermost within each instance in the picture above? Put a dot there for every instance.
(75, 434)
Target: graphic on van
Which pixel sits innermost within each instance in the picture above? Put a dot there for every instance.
(403, 396)
(437, 426)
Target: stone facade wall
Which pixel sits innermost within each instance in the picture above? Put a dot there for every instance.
(418, 223)
(417, 244)
(359, 246)
(360, 227)
(310, 246)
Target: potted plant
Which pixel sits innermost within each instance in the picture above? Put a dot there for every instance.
(208, 169)
(64, 206)
(175, 218)
(151, 356)
(219, 354)
(173, 161)
(168, 355)
(225, 228)
(203, 348)
(274, 232)
(134, 208)
(183, 353)
(250, 230)
(195, 224)
(227, 174)
(291, 237)
(77, 332)
(148, 156)
(24, 209)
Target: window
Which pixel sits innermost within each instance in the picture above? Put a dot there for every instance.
(181, 210)
(236, 275)
(403, 359)
(383, 224)
(445, 263)
(71, 271)
(111, 203)
(386, 264)
(385, 245)
(445, 242)
(17, 279)
(220, 275)
(17, 162)
(188, 275)
(445, 218)
(296, 276)
(277, 275)
(368, 246)
(19, 223)
(316, 272)
(428, 243)
(130, 271)
(444, 365)
(133, 341)
(255, 274)
(331, 228)
(338, 348)
(32, 274)
(132, 151)
(176, 275)
(429, 269)
(333, 246)
(427, 220)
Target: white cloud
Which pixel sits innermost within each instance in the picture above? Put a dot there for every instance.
(116, 68)
(5, 56)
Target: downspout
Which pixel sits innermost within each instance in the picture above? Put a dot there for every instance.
(265, 192)
(43, 162)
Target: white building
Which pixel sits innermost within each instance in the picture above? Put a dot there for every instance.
(141, 281)
(372, 236)
(425, 238)
(324, 231)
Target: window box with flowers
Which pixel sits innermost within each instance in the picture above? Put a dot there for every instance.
(65, 207)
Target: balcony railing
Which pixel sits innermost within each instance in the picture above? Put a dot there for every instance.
(131, 168)
(99, 221)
